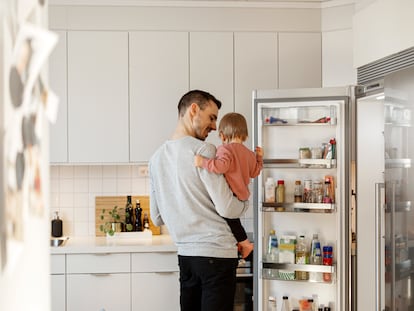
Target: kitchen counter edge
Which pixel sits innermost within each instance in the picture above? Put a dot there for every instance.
(84, 245)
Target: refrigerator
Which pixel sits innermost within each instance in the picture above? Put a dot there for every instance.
(367, 131)
(306, 136)
(385, 192)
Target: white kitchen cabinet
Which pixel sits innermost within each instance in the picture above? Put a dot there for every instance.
(58, 131)
(255, 67)
(98, 282)
(158, 78)
(58, 283)
(98, 97)
(155, 282)
(300, 60)
(211, 69)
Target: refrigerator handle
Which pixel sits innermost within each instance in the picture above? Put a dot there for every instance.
(380, 245)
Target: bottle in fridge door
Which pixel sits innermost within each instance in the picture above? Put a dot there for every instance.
(309, 145)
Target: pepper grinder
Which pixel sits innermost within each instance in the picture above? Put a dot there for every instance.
(57, 226)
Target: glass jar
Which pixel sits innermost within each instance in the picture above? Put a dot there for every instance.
(317, 191)
(304, 153)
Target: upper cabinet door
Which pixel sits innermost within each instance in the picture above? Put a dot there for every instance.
(255, 67)
(98, 96)
(300, 60)
(158, 79)
(211, 69)
(57, 79)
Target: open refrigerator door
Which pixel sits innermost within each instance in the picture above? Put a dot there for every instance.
(305, 136)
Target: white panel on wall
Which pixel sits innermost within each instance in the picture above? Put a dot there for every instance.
(300, 60)
(255, 67)
(337, 59)
(211, 69)
(158, 79)
(388, 31)
(98, 96)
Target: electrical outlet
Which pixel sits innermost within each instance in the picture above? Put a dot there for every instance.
(143, 171)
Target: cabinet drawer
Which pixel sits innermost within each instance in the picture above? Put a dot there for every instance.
(57, 264)
(154, 262)
(98, 263)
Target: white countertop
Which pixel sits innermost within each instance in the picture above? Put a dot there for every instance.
(82, 245)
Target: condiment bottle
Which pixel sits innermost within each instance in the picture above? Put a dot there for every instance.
(327, 197)
(298, 191)
(280, 191)
(327, 261)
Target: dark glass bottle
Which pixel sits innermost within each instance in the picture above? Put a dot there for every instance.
(138, 213)
(146, 221)
(56, 226)
(128, 214)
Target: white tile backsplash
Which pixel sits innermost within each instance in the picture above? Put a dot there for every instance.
(74, 188)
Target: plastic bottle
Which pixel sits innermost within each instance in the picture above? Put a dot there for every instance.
(57, 226)
(280, 191)
(273, 247)
(269, 191)
(302, 257)
(315, 257)
(298, 191)
(285, 304)
(327, 260)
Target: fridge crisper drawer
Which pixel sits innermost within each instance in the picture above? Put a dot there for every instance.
(98, 263)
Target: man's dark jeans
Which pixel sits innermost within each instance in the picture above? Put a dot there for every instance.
(207, 283)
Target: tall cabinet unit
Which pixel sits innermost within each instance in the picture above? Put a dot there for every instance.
(158, 77)
(58, 131)
(211, 69)
(98, 96)
(304, 135)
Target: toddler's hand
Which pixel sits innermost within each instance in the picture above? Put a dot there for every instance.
(198, 160)
(259, 151)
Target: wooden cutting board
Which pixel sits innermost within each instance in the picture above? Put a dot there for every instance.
(108, 202)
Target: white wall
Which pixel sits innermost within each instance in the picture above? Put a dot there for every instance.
(337, 51)
(382, 28)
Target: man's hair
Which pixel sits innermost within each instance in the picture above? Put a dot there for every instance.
(201, 98)
(233, 125)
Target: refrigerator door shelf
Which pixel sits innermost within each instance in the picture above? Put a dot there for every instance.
(301, 163)
(294, 267)
(298, 207)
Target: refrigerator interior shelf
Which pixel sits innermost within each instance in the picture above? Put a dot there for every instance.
(301, 163)
(397, 163)
(298, 207)
(297, 267)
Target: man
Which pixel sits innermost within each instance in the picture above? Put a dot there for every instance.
(192, 202)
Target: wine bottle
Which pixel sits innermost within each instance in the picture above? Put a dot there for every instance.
(128, 214)
(138, 213)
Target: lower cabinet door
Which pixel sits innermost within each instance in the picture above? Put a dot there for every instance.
(99, 292)
(58, 292)
(155, 291)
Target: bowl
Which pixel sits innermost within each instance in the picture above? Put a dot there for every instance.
(56, 242)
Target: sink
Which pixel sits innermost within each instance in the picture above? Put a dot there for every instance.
(55, 242)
